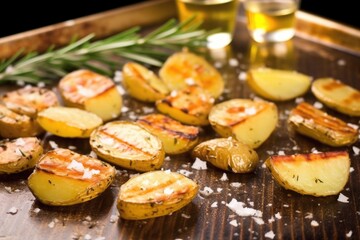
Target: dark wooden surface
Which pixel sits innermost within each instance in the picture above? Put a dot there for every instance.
(288, 214)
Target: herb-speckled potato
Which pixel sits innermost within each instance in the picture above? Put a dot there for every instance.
(142, 83)
(176, 137)
(337, 95)
(317, 174)
(92, 92)
(189, 106)
(182, 67)
(63, 177)
(154, 194)
(128, 145)
(68, 122)
(227, 154)
(19, 154)
(312, 122)
(248, 121)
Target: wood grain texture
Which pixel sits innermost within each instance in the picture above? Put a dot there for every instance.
(287, 214)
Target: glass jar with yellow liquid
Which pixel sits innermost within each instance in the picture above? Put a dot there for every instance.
(213, 14)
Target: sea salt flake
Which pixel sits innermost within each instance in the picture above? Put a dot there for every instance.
(92, 154)
(233, 62)
(72, 147)
(272, 219)
(278, 215)
(51, 224)
(314, 223)
(299, 100)
(341, 62)
(214, 205)
(240, 209)
(206, 192)
(234, 223)
(12, 211)
(53, 144)
(87, 237)
(235, 184)
(352, 169)
(185, 172)
(282, 153)
(168, 191)
(318, 105)
(36, 210)
(309, 215)
(349, 234)
(75, 165)
(242, 76)
(354, 126)
(259, 221)
(185, 216)
(356, 150)
(219, 190)
(224, 177)
(342, 198)
(199, 164)
(88, 173)
(270, 235)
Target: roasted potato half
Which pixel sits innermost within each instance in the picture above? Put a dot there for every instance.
(13, 125)
(337, 95)
(314, 123)
(19, 154)
(248, 121)
(184, 67)
(189, 106)
(176, 137)
(154, 194)
(227, 154)
(63, 177)
(278, 84)
(128, 145)
(142, 83)
(68, 122)
(317, 174)
(92, 92)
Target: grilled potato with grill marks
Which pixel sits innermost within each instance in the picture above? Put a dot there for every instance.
(154, 194)
(317, 174)
(142, 83)
(19, 154)
(92, 92)
(63, 177)
(176, 137)
(128, 145)
(337, 95)
(68, 122)
(227, 154)
(314, 123)
(183, 67)
(248, 121)
(189, 106)
(13, 125)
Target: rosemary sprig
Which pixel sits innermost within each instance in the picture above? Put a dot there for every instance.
(102, 56)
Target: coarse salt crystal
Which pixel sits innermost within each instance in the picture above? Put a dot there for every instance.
(278, 215)
(88, 173)
(258, 220)
(272, 219)
(199, 164)
(281, 153)
(224, 177)
(314, 223)
(235, 184)
(240, 209)
(349, 234)
(318, 105)
(214, 205)
(207, 191)
(270, 235)
(356, 150)
(75, 165)
(12, 211)
(234, 223)
(219, 190)
(342, 198)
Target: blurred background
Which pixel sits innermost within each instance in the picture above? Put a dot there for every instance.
(19, 16)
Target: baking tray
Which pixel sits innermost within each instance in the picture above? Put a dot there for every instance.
(321, 48)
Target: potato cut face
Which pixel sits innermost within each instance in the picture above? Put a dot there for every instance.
(317, 174)
(63, 177)
(154, 194)
(176, 137)
(337, 95)
(248, 121)
(68, 122)
(309, 121)
(19, 154)
(92, 92)
(128, 145)
(142, 83)
(278, 85)
(183, 67)
(30, 100)
(189, 106)
(13, 125)
(227, 154)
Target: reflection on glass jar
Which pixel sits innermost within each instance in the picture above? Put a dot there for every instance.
(279, 55)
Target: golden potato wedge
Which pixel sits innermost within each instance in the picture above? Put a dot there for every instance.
(176, 137)
(13, 125)
(142, 83)
(277, 84)
(63, 177)
(248, 121)
(154, 194)
(19, 154)
(227, 154)
(183, 67)
(92, 92)
(68, 122)
(189, 106)
(317, 174)
(337, 95)
(128, 145)
(314, 123)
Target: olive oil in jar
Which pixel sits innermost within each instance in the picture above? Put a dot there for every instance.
(214, 14)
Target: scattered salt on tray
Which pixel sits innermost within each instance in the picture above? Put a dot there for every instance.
(314, 223)
(270, 234)
(199, 164)
(342, 198)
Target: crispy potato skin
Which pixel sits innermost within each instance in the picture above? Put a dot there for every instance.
(227, 154)
(63, 177)
(154, 194)
(176, 137)
(19, 154)
(317, 174)
(337, 95)
(128, 145)
(314, 123)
